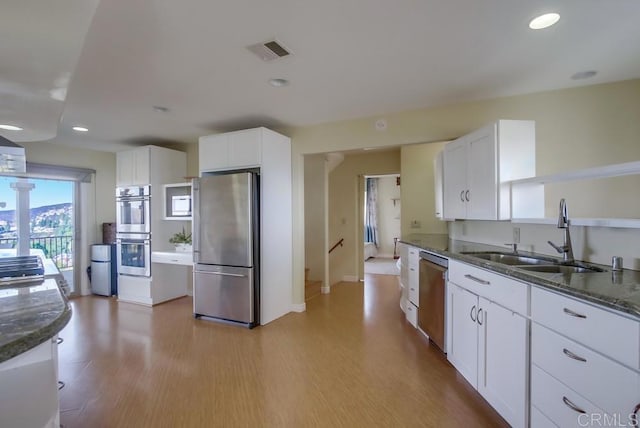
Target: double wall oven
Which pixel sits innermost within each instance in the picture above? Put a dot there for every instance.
(133, 217)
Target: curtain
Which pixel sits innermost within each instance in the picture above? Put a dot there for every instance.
(371, 211)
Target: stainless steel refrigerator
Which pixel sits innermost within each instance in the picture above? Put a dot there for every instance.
(226, 247)
(103, 270)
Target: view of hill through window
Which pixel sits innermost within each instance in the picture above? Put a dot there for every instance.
(50, 218)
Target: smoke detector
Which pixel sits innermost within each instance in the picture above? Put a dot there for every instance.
(269, 51)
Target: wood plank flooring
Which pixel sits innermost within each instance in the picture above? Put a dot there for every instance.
(350, 360)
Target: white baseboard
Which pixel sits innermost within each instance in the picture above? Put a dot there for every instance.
(325, 290)
(350, 278)
(299, 307)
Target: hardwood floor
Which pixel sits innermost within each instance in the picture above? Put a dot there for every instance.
(350, 360)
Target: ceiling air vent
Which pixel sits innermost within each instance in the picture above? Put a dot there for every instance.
(269, 51)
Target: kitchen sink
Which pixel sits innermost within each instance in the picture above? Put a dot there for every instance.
(533, 263)
(561, 268)
(509, 259)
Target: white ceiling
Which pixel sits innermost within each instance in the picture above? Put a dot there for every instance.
(351, 59)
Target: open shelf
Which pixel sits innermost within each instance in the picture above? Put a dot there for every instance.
(528, 195)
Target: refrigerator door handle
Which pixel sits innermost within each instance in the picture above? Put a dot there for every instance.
(195, 236)
(222, 274)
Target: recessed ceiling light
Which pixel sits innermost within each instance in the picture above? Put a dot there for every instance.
(80, 129)
(544, 21)
(278, 83)
(161, 109)
(10, 127)
(584, 74)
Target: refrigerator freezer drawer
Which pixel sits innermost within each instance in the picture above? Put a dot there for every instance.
(224, 292)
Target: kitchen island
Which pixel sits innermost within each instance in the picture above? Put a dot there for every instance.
(31, 315)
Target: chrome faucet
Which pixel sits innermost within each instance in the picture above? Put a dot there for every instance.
(563, 223)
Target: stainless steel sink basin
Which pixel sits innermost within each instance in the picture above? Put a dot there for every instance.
(510, 259)
(533, 263)
(561, 269)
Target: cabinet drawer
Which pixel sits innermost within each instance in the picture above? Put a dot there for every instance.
(411, 312)
(553, 399)
(412, 292)
(606, 383)
(497, 288)
(607, 332)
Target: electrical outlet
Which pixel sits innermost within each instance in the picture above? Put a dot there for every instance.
(415, 224)
(516, 235)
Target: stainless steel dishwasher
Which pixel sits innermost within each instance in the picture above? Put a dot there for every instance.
(431, 312)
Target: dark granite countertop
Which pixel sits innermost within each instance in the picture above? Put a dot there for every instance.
(615, 290)
(30, 313)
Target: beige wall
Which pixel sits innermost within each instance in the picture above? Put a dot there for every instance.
(315, 214)
(346, 204)
(586, 126)
(418, 198)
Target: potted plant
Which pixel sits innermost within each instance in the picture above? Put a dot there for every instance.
(182, 241)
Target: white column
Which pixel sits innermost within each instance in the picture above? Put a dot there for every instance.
(22, 189)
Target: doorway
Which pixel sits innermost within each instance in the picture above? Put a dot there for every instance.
(51, 220)
(381, 224)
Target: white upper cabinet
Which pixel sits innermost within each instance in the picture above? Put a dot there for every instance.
(132, 167)
(240, 149)
(149, 165)
(478, 168)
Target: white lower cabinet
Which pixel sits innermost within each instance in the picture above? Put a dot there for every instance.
(502, 361)
(576, 379)
(489, 345)
(463, 348)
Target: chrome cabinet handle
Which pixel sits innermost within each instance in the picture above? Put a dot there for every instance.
(572, 406)
(472, 313)
(573, 314)
(222, 274)
(466, 195)
(462, 196)
(479, 314)
(573, 356)
(481, 281)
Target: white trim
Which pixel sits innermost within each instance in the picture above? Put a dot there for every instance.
(325, 290)
(299, 307)
(350, 278)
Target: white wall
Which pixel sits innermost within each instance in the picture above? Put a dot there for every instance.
(388, 214)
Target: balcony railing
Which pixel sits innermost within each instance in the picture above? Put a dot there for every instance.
(57, 248)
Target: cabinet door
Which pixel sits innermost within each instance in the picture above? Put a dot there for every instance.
(413, 275)
(245, 148)
(455, 179)
(124, 168)
(213, 152)
(463, 348)
(502, 361)
(482, 203)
